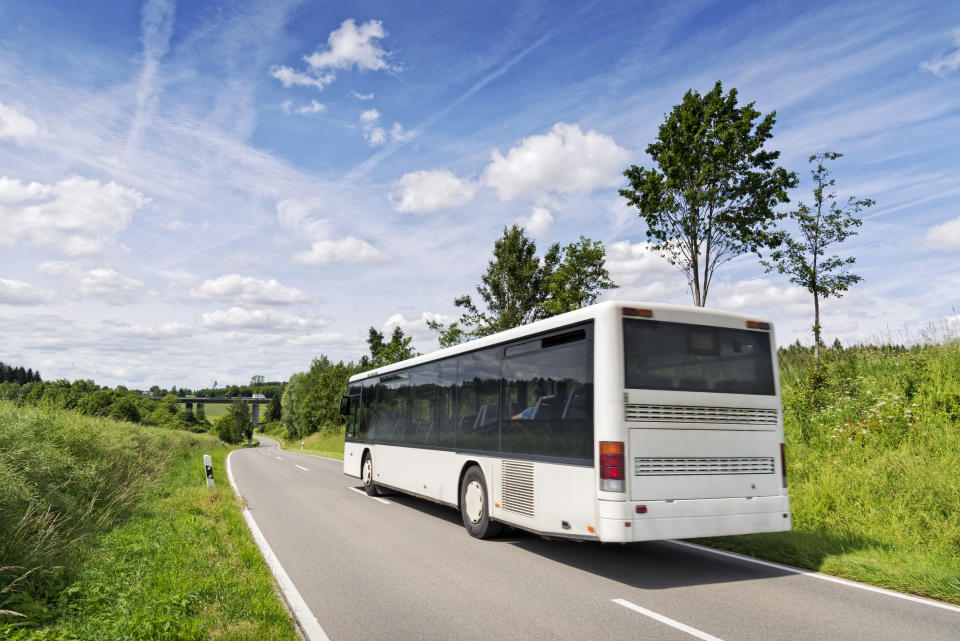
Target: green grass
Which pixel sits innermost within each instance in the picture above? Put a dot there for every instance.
(176, 563)
(873, 467)
(326, 442)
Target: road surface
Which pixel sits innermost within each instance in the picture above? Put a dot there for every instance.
(399, 568)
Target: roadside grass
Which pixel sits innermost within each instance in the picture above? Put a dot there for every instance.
(326, 442)
(176, 563)
(872, 440)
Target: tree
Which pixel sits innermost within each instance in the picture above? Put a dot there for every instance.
(256, 381)
(578, 279)
(274, 410)
(242, 423)
(519, 288)
(713, 196)
(381, 353)
(826, 223)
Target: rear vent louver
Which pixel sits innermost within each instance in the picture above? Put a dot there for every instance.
(517, 487)
(688, 414)
(686, 466)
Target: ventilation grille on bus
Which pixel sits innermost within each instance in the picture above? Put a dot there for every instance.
(517, 487)
(688, 414)
(673, 466)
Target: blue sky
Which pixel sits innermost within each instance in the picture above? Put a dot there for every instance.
(198, 191)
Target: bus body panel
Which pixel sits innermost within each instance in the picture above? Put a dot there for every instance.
(689, 464)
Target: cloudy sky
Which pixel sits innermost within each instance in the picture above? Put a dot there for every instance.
(203, 191)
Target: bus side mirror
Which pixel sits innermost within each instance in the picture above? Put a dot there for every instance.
(344, 405)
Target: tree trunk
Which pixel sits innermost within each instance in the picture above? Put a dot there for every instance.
(816, 326)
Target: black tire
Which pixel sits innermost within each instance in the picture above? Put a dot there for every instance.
(475, 506)
(366, 474)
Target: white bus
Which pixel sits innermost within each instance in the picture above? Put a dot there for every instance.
(617, 422)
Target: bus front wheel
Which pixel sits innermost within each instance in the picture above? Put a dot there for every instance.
(366, 473)
(475, 506)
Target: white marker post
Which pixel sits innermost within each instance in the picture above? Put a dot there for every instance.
(301, 445)
(208, 464)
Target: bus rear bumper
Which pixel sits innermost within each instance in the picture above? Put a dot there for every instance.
(620, 521)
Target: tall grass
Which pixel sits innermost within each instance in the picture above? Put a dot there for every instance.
(65, 478)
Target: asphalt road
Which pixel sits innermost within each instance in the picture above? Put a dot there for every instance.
(402, 568)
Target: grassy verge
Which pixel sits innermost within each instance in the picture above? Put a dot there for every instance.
(177, 563)
(872, 442)
(327, 443)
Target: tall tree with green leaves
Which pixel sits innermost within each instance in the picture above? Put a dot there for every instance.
(383, 352)
(519, 288)
(713, 193)
(578, 278)
(827, 222)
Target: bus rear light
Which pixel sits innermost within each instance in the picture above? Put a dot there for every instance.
(612, 466)
(637, 311)
(627, 524)
(783, 463)
(758, 325)
(641, 509)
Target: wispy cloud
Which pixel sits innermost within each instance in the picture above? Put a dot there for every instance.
(948, 62)
(156, 28)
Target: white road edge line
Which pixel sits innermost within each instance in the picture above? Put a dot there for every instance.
(308, 623)
(301, 467)
(375, 498)
(329, 458)
(823, 577)
(278, 458)
(662, 619)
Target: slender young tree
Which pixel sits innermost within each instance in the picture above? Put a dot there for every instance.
(827, 222)
(712, 195)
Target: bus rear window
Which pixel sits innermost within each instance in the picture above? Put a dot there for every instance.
(696, 358)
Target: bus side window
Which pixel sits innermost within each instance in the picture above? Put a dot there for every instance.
(548, 402)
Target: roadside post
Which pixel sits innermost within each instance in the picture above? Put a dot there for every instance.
(208, 464)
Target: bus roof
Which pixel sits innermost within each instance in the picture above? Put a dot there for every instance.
(545, 325)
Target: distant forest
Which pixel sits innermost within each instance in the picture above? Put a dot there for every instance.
(11, 374)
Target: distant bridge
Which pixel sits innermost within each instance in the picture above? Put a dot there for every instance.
(189, 401)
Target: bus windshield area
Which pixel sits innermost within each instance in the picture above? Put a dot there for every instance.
(696, 358)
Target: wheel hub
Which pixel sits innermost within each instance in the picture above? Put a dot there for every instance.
(473, 501)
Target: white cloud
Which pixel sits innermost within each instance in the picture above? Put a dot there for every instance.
(56, 267)
(313, 108)
(363, 96)
(629, 264)
(427, 191)
(14, 191)
(398, 134)
(15, 292)
(15, 126)
(109, 285)
(342, 250)
(77, 216)
(247, 290)
(324, 246)
(416, 327)
(238, 318)
(119, 328)
(372, 131)
(351, 46)
(946, 63)
(290, 77)
(944, 236)
(566, 160)
(538, 222)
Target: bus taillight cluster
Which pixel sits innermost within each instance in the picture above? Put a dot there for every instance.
(612, 466)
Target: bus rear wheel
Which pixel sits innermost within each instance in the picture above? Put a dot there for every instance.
(475, 506)
(366, 473)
